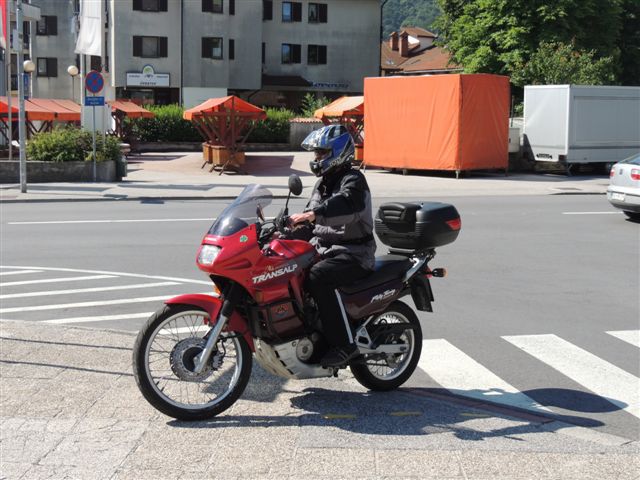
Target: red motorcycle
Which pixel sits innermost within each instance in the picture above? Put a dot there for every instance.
(192, 359)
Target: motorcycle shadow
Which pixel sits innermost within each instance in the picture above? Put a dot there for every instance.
(404, 412)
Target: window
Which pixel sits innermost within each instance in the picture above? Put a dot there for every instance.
(264, 52)
(47, 25)
(317, 55)
(213, 6)
(291, 12)
(47, 67)
(290, 53)
(150, 5)
(96, 63)
(267, 10)
(232, 7)
(149, 47)
(232, 49)
(317, 13)
(212, 47)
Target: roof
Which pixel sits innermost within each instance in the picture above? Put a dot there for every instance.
(45, 109)
(342, 106)
(434, 58)
(418, 32)
(131, 109)
(224, 104)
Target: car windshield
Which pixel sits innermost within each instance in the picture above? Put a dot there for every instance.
(243, 211)
(633, 159)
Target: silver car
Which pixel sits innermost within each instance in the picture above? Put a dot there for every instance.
(624, 186)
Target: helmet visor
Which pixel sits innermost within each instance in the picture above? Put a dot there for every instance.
(321, 153)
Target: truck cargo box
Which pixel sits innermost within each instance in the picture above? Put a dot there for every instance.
(574, 124)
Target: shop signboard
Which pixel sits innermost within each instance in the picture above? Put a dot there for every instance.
(148, 78)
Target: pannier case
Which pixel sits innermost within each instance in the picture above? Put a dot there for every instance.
(417, 226)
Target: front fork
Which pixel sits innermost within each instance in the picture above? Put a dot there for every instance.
(214, 334)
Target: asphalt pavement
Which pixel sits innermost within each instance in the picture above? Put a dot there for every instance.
(70, 407)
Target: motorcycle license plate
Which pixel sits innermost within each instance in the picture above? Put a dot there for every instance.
(617, 196)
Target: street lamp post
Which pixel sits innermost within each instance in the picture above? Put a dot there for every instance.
(22, 134)
(73, 71)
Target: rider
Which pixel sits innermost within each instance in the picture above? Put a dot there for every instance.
(342, 232)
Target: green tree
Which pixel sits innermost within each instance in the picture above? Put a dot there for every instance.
(559, 63)
(500, 36)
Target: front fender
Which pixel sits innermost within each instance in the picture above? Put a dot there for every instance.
(212, 305)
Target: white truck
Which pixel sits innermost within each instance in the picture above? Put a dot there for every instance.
(574, 124)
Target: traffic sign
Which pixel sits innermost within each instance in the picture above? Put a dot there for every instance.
(94, 82)
(93, 101)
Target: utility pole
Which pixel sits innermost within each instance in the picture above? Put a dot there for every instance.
(21, 113)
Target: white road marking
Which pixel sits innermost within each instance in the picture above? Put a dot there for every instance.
(100, 318)
(601, 377)
(18, 272)
(460, 374)
(68, 222)
(629, 336)
(173, 331)
(86, 290)
(57, 280)
(121, 274)
(591, 213)
(86, 304)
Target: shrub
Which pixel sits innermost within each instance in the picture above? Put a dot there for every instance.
(310, 104)
(275, 129)
(71, 144)
(167, 126)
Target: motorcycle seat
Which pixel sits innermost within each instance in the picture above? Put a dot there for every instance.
(387, 268)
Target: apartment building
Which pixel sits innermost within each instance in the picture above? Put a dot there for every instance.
(270, 52)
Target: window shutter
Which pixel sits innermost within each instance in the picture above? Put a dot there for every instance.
(322, 55)
(232, 7)
(267, 9)
(52, 67)
(232, 49)
(164, 50)
(137, 4)
(207, 5)
(137, 46)
(206, 47)
(264, 52)
(323, 13)
(296, 53)
(162, 6)
(297, 11)
(52, 25)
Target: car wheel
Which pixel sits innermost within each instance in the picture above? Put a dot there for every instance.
(635, 216)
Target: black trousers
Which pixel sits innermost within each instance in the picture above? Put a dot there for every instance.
(324, 277)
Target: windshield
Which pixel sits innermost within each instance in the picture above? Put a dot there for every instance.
(242, 212)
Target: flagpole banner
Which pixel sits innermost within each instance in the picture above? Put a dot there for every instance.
(90, 35)
(4, 23)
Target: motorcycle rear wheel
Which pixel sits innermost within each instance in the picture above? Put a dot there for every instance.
(163, 358)
(380, 374)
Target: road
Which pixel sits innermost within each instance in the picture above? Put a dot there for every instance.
(539, 310)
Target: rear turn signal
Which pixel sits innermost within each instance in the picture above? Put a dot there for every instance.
(455, 224)
(635, 174)
(439, 272)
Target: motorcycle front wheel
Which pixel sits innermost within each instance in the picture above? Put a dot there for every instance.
(381, 372)
(163, 365)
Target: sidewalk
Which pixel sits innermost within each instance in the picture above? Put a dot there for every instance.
(179, 176)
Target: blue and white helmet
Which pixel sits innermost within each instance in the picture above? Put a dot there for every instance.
(333, 147)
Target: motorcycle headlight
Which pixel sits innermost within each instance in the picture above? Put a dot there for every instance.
(208, 254)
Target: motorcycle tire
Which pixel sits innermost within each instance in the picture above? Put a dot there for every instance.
(151, 390)
(369, 375)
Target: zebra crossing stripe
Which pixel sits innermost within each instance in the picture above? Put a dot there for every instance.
(102, 318)
(457, 372)
(629, 336)
(86, 290)
(19, 272)
(601, 377)
(56, 280)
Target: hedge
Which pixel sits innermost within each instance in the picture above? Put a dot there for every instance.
(71, 144)
(169, 126)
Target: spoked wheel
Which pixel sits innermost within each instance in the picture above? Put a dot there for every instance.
(389, 371)
(163, 365)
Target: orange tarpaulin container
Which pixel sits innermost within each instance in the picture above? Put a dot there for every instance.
(440, 122)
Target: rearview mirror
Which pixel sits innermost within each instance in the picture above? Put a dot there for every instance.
(295, 184)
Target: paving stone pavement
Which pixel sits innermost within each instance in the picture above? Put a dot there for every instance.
(70, 409)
